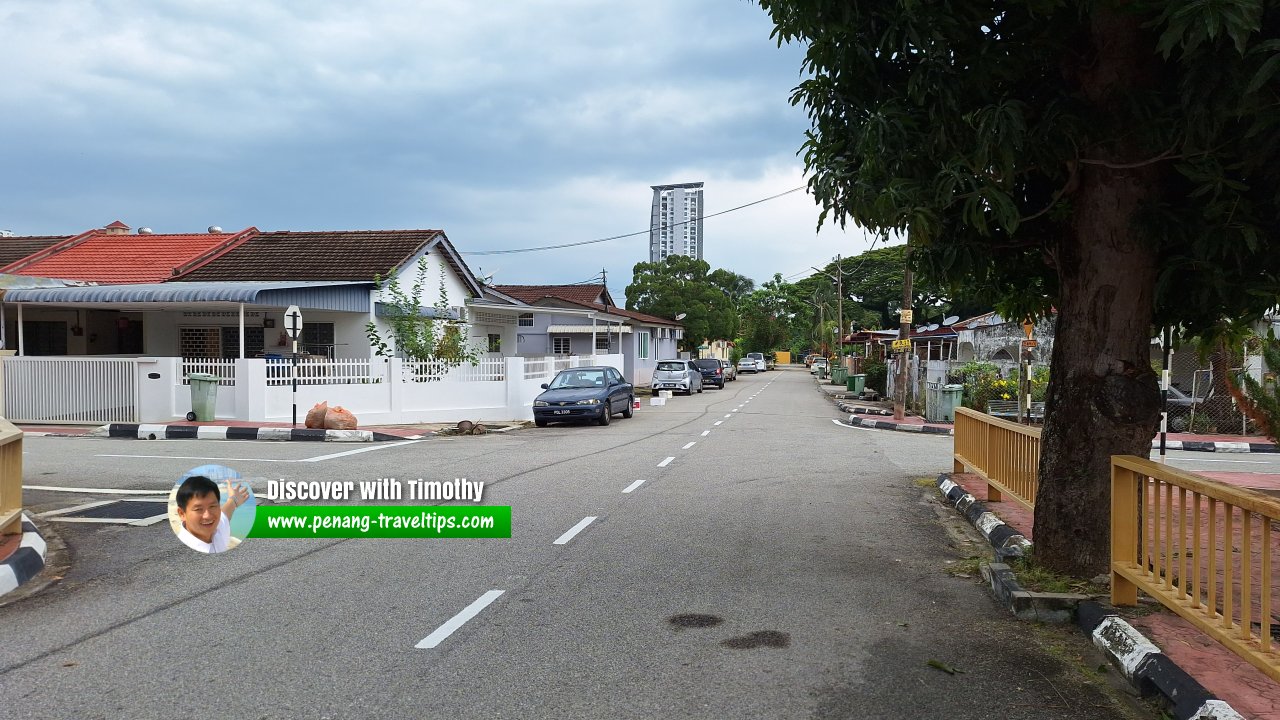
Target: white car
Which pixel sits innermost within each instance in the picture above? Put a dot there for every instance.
(818, 363)
(747, 364)
(760, 361)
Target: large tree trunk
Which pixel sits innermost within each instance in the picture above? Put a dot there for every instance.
(1102, 396)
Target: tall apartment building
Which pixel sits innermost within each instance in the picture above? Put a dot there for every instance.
(675, 221)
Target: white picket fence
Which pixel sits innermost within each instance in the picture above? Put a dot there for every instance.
(224, 369)
(327, 372)
(70, 390)
(537, 369)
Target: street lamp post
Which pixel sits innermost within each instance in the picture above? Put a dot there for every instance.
(838, 279)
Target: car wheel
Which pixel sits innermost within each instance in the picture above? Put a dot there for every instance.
(604, 416)
(540, 423)
(191, 417)
(631, 402)
(699, 389)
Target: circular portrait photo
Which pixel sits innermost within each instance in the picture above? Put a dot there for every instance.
(211, 508)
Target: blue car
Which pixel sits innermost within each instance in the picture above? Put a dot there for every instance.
(585, 393)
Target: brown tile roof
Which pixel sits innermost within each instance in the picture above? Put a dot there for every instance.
(103, 257)
(320, 255)
(580, 294)
(13, 249)
(584, 295)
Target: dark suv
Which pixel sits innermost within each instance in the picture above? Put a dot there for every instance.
(712, 372)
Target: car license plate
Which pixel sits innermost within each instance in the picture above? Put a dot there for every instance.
(559, 412)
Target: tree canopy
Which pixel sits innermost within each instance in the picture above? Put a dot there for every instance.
(681, 284)
(1116, 161)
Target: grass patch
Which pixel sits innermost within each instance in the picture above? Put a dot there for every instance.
(968, 567)
(925, 482)
(1037, 578)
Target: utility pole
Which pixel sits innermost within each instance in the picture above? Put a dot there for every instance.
(904, 333)
(840, 309)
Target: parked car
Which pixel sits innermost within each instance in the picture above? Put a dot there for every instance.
(730, 370)
(760, 361)
(748, 365)
(819, 363)
(585, 393)
(712, 372)
(1181, 405)
(677, 375)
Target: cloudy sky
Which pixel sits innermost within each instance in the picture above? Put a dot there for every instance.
(509, 125)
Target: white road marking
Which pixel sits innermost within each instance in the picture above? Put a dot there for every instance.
(706, 433)
(728, 416)
(96, 491)
(444, 631)
(189, 457)
(382, 446)
(568, 535)
(718, 422)
(853, 427)
(686, 447)
(736, 409)
(635, 485)
(666, 462)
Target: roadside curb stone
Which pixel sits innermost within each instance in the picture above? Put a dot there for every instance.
(26, 562)
(146, 431)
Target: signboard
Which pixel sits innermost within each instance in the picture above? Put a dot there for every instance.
(1030, 343)
(905, 315)
(293, 322)
(902, 344)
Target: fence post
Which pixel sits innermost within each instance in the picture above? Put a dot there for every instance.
(1124, 532)
(962, 442)
(993, 492)
(514, 375)
(3, 354)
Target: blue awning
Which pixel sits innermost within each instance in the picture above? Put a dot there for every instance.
(347, 296)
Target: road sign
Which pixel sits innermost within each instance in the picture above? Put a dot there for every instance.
(905, 316)
(293, 322)
(1030, 343)
(901, 344)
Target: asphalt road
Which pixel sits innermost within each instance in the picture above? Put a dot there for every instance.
(763, 562)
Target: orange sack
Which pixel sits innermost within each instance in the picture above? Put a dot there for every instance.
(339, 419)
(315, 416)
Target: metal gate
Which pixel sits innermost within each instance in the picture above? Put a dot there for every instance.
(70, 390)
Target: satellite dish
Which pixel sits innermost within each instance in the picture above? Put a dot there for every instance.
(682, 316)
(951, 320)
(931, 328)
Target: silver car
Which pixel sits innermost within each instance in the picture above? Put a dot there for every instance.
(730, 370)
(677, 376)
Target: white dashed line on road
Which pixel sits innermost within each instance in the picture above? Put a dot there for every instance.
(728, 416)
(634, 485)
(444, 631)
(706, 433)
(666, 462)
(188, 457)
(568, 535)
(96, 491)
(718, 422)
(375, 448)
(686, 447)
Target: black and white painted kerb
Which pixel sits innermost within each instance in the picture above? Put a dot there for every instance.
(1219, 447)
(887, 425)
(1007, 541)
(223, 432)
(26, 562)
(1148, 669)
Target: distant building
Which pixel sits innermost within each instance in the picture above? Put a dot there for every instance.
(675, 221)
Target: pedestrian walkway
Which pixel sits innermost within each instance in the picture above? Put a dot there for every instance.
(1219, 670)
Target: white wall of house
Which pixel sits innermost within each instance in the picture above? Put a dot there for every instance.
(455, 288)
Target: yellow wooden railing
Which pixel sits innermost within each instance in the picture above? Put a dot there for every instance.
(10, 478)
(1201, 547)
(1004, 454)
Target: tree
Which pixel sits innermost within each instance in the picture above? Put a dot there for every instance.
(418, 331)
(681, 284)
(1116, 161)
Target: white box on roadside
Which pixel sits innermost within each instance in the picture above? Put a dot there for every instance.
(658, 401)
(664, 394)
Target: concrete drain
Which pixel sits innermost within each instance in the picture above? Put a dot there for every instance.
(138, 513)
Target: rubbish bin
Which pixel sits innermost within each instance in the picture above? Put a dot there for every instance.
(855, 383)
(952, 398)
(822, 372)
(204, 396)
(838, 374)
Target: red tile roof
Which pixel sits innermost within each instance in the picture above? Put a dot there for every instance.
(580, 294)
(13, 249)
(651, 319)
(101, 257)
(320, 255)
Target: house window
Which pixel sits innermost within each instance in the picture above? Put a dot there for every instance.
(495, 342)
(200, 342)
(560, 345)
(44, 337)
(317, 339)
(253, 341)
(642, 345)
(602, 343)
(526, 320)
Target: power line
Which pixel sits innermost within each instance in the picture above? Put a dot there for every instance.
(628, 235)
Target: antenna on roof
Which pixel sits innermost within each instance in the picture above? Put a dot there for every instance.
(951, 320)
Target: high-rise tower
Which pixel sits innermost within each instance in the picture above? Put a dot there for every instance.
(675, 221)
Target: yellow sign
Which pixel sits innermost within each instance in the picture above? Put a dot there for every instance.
(1028, 327)
(905, 315)
(901, 344)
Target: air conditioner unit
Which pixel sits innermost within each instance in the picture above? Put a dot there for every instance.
(458, 311)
